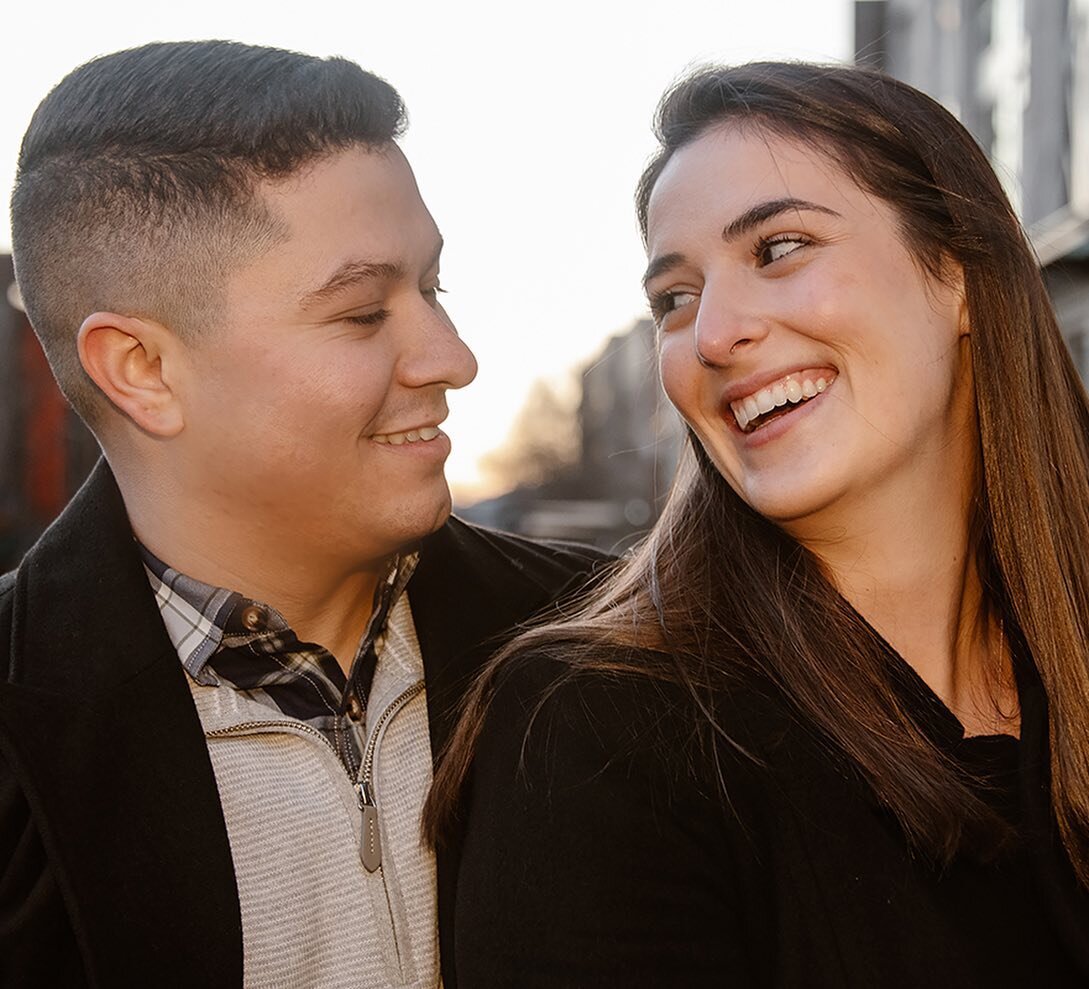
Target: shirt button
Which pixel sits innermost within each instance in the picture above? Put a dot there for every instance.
(355, 708)
(253, 618)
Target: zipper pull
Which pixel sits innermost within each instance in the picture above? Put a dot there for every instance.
(370, 841)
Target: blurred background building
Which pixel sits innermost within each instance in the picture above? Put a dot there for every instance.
(45, 450)
(609, 461)
(1016, 72)
(593, 461)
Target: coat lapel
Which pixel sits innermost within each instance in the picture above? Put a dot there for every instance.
(472, 589)
(470, 593)
(99, 727)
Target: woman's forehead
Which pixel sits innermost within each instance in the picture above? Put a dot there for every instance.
(732, 166)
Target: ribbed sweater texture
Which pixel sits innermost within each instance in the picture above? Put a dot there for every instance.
(312, 915)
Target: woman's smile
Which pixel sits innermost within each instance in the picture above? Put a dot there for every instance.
(779, 398)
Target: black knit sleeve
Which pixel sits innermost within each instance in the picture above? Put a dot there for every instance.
(596, 852)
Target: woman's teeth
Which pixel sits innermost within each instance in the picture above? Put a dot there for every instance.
(788, 391)
(412, 436)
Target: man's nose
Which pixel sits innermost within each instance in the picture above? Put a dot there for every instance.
(727, 323)
(438, 356)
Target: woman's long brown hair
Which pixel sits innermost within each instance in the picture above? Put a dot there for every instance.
(717, 593)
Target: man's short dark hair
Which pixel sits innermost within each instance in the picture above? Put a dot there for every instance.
(136, 185)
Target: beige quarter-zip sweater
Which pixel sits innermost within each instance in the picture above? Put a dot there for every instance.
(335, 885)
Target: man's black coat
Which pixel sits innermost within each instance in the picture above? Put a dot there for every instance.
(115, 867)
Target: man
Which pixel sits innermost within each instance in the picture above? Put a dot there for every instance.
(215, 734)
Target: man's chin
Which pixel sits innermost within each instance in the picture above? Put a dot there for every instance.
(426, 520)
(441, 515)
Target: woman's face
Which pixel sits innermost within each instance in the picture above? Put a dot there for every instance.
(814, 360)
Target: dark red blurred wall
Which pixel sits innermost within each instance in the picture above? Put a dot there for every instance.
(45, 450)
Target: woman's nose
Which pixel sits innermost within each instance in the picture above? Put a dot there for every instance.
(725, 326)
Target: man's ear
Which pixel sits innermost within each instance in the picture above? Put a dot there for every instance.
(131, 359)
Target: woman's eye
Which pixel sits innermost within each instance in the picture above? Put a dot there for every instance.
(771, 250)
(663, 303)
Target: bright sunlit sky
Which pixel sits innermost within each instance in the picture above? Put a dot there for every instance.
(529, 125)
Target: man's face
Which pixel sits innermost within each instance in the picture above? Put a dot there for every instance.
(312, 409)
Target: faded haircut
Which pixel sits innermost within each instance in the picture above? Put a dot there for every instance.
(136, 185)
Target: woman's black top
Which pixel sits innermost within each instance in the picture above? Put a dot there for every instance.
(601, 850)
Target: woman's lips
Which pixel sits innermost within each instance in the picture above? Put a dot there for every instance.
(759, 407)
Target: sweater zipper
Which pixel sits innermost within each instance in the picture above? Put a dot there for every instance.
(370, 842)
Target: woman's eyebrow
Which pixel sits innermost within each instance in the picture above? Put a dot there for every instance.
(751, 218)
(765, 211)
(662, 264)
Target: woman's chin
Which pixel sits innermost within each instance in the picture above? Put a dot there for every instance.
(789, 504)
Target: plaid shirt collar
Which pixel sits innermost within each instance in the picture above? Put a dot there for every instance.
(203, 621)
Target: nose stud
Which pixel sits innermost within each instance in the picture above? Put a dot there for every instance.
(706, 362)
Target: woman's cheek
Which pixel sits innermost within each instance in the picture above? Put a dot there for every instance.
(680, 373)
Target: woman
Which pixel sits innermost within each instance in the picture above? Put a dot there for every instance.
(829, 726)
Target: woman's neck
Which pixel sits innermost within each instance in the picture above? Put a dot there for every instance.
(908, 566)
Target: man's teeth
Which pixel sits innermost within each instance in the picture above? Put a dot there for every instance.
(789, 390)
(412, 436)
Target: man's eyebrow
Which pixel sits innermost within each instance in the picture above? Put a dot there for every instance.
(765, 211)
(735, 228)
(348, 274)
(357, 270)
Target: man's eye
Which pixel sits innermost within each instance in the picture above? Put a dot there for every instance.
(772, 249)
(432, 294)
(368, 319)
